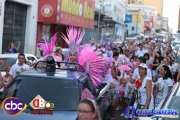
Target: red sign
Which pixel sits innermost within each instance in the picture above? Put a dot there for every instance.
(47, 11)
(153, 21)
(147, 25)
(78, 13)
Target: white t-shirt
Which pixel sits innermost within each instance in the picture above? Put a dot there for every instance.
(136, 74)
(142, 95)
(139, 53)
(16, 69)
(109, 53)
(163, 87)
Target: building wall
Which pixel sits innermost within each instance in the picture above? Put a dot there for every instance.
(179, 19)
(130, 27)
(31, 24)
(157, 3)
(137, 17)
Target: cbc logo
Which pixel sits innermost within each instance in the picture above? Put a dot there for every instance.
(39, 103)
(13, 106)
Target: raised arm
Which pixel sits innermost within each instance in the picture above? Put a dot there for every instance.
(19, 44)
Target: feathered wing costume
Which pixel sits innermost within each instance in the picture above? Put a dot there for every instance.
(93, 64)
(73, 38)
(48, 48)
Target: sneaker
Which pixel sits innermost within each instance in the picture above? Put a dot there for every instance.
(111, 119)
(122, 115)
(118, 108)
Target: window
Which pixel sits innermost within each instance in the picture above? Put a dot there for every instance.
(8, 61)
(132, 28)
(61, 94)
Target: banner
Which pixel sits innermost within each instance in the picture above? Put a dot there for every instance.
(78, 13)
(128, 18)
(115, 10)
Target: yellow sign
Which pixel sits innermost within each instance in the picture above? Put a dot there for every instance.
(81, 8)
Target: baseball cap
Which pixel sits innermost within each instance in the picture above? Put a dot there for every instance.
(143, 65)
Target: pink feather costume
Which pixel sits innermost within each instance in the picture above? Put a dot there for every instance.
(48, 48)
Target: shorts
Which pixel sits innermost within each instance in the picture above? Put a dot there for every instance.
(114, 94)
(127, 100)
(155, 73)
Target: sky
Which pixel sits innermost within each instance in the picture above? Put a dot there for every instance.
(170, 10)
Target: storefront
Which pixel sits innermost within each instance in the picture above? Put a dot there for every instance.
(53, 16)
(18, 21)
(116, 11)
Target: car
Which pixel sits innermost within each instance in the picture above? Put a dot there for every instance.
(160, 38)
(139, 36)
(174, 43)
(176, 48)
(11, 59)
(170, 102)
(61, 86)
(149, 35)
(131, 38)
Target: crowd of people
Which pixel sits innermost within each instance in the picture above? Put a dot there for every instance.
(141, 74)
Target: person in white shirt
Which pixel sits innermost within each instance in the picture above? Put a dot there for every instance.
(163, 85)
(136, 71)
(144, 98)
(18, 67)
(140, 51)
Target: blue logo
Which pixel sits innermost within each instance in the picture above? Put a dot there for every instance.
(129, 114)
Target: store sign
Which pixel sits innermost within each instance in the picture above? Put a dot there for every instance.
(128, 18)
(78, 13)
(47, 11)
(115, 10)
(147, 25)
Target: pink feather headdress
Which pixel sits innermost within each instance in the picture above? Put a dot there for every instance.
(93, 64)
(48, 47)
(74, 38)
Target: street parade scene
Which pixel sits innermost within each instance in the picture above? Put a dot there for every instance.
(89, 60)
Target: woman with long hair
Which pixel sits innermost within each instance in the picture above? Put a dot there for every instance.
(164, 84)
(58, 53)
(155, 64)
(88, 110)
(12, 49)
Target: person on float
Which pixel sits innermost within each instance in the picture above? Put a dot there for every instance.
(48, 48)
(73, 39)
(58, 53)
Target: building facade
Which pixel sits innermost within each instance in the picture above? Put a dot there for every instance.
(179, 20)
(149, 13)
(62, 13)
(18, 21)
(137, 25)
(157, 3)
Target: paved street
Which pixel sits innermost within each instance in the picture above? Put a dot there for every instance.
(117, 115)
